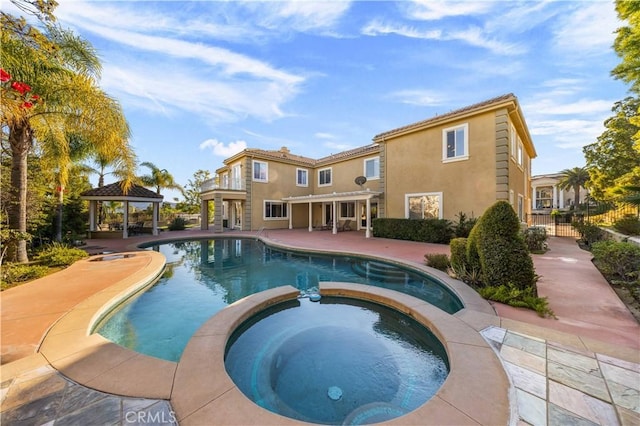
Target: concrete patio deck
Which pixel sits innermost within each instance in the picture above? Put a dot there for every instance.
(583, 367)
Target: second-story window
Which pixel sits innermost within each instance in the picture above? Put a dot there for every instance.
(324, 177)
(302, 176)
(372, 168)
(260, 171)
(455, 143)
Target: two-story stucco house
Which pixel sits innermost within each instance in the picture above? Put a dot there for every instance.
(461, 161)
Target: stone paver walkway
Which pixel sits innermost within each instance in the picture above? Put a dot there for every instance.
(557, 384)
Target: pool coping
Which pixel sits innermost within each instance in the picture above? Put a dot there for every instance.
(95, 362)
(204, 393)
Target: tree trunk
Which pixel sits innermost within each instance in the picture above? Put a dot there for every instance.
(20, 142)
(576, 190)
(59, 213)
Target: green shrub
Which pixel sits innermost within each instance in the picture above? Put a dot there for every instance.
(463, 226)
(618, 258)
(512, 295)
(177, 224)
(473, 257)
(628, 225)
(504, 257)
(536, 239)
(13, 273)
(58, 254)
(589, 233)
(437, 260)
(467, 275)
(458, 248)
(424, 230)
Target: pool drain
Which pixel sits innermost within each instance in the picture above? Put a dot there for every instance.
(335, 393)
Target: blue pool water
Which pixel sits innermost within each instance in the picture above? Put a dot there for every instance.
(204, 276)
(338, 361)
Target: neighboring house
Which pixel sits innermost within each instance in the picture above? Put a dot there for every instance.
(461, 161)
(548, 196)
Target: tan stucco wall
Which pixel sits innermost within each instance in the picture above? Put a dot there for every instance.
(414, 165)
(343, 176)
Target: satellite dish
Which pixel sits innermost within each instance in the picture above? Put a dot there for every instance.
(361, 180)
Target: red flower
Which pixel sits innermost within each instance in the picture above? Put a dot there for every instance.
(4, 76)
(27, 105)
(20, 87)
(35, 97)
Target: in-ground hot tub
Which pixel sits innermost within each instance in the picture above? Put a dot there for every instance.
(336, 361)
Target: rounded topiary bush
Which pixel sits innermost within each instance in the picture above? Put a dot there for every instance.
(473, 256)
(503, 254)
(458, 248)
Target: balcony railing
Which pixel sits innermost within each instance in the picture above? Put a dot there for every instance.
(212, 184)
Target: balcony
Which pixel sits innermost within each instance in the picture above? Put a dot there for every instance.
(212, 185)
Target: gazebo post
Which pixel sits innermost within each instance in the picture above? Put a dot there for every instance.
(156, 206)
(92, 215)
(125, 220)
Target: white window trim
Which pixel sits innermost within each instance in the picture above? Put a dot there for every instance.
(321, 170)
(264, 210)
(446, 159)
(421, 194)
(520, 154)
(298, 169)
(364, 168)
(511, 197)
(253, 171)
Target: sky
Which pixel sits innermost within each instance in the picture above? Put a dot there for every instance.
(200, 81)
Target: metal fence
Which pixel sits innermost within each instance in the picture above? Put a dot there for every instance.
(558, 224)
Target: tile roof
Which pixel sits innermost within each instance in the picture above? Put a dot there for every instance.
(281, 154)
(451, 114)
(115, 190)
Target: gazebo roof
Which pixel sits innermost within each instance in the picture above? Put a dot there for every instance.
(114, 192)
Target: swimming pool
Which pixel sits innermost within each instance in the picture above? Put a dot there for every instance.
(204, 276)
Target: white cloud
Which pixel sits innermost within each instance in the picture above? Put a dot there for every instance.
(378, 27)
(301, 16)
(222, 150)
(417, 97)
(582, 107)
(430, 10)
(588, 30)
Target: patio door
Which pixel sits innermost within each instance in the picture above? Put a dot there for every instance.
(363, 214)
(236, 215)
(327, 213)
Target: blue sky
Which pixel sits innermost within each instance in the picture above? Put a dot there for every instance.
(199, 81)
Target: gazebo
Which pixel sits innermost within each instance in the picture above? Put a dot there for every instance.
(114, 192)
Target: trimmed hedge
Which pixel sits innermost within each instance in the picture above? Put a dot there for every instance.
(424, 230)
(504, 257)
(620, 259)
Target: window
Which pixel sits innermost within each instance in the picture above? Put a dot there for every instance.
(236, 179)
(514, 140)
(372, 168)
(302, 176)
(324, 177)
(544, 197)
(260, 171)
(348, 210)
(520, 207)
(519, 152)
(225, 181)
(455, 143)
(423, 206)
(275, 210)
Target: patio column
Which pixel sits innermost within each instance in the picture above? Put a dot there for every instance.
(204, 215)
(125, 220)
(156, 207)
(92, 215)
(335, 219)
(554, 202)
(310, 217)
(290, 210)
(561, 202)
(217, 213)
(367, 232)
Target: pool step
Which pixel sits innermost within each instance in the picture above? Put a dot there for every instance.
(379, 271)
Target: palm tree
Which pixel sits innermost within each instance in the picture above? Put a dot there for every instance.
(574, 178)
(53, 94)
(158, 179)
